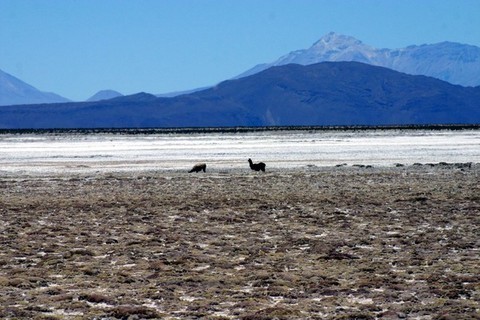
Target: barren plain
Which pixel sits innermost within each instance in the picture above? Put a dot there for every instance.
(308, 243)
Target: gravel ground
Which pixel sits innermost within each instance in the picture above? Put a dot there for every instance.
(311, 243)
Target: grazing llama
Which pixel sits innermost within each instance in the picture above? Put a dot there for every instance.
(199, 167)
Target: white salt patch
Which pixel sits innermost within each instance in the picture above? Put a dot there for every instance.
(224, 314)
(152, 304)
(276, 299)
(200, 268)
(360, 300)
(322, 235)
(392, 233)
(189, 298)
(246, 289)
(101, 305)
(62, 312)
(364, 247)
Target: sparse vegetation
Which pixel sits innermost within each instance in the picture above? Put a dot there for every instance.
(318, 243)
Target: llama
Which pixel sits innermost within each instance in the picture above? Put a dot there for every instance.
(256, 166)
(199, 167)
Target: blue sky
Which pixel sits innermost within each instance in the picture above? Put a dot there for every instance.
(77, 47)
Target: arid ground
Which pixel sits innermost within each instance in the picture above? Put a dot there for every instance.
(311, 243)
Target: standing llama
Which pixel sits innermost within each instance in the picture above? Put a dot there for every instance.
(256, 166)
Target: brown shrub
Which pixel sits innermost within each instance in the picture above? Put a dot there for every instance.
(96, 298)
(124, 312)
(272, 313)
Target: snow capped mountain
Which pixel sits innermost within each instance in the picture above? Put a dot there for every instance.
(14, 91)
(453, 62)
(332, 47)
(105, 95)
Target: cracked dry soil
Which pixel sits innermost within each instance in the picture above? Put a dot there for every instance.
(331, 243)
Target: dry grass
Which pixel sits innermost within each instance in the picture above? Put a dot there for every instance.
(339, 243)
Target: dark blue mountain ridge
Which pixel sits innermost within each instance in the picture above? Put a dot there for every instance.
(327, 93)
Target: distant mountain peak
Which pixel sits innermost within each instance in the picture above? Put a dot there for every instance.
(105, 95)
(335, 40)
(14, 91)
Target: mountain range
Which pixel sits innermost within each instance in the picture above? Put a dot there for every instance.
(452, 62)
(327, 93)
